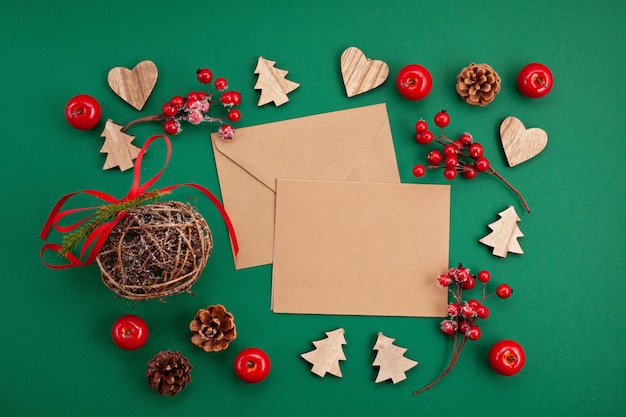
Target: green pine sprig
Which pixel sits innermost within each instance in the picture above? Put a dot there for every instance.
(104, 214)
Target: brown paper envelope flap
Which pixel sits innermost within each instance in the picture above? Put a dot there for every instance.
(348, 144)
(360, 248)
(250, 206)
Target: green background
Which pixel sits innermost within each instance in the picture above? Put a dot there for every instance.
(57, 355)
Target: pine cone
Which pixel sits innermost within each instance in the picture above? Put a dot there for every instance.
(168, 372)
(478, 84)
(213, 328)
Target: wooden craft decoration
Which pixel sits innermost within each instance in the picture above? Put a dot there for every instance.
(503, 238)
(134, 86)
(118, 147)
(521, 144)
(272, 83)
(361, 74)
(327, 354)
(391, 360)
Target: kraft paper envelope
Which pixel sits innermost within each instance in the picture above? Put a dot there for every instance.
(360, 248)
(346, 145)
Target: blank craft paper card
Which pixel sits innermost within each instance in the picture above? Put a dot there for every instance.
(360, 248)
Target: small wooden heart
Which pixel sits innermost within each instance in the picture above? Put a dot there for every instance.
(521, 144)
(134, 86)
(361, 74)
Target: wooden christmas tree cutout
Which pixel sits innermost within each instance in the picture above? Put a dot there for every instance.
(134, 86)
(521, 144)
(118, 147)
(327, 354)
(391, 360)
(361, 74)
(503, 238)
(272, 83)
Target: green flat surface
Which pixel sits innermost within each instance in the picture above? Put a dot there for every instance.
(58, 359)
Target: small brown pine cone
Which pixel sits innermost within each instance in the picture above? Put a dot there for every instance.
(478, 84)
(168, 372)
(213, 328)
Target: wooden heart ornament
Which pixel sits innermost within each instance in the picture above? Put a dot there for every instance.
(521, 144)
(134, 86)
(361, 74)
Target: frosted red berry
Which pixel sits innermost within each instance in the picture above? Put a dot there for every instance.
(473, 332)
(449, 327)
(444, 280)
(220, 84)
(467, 311)
(453, 309)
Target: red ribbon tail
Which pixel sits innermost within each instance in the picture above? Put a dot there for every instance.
(70, 257)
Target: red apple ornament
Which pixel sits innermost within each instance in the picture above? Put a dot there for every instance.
(252, 365)
(83, 112)
(507, 357)
(129, 332)
(535, 80)
(414, 82)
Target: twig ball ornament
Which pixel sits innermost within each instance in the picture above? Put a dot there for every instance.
(155, 251)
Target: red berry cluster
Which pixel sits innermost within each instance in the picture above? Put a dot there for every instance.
(463, 155)
(463, 314)
(195, 106)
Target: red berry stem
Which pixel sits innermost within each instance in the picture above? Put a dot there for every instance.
(508, 184)
(456, 352)
(153, 118)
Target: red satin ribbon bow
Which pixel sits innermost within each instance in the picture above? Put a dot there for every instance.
(93, 243)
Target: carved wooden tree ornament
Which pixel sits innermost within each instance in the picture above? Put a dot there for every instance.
(503, 238)
(272, 83)
(391, 360)
(118, 147)
(327, 354)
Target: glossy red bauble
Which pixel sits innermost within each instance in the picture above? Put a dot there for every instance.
(535, 80)
(414, 82)
(507, 357)
(129, 332)
(252, 365)
(83, 112)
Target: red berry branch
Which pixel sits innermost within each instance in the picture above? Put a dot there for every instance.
(195, 107)
(463, 314)
(458, 156)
